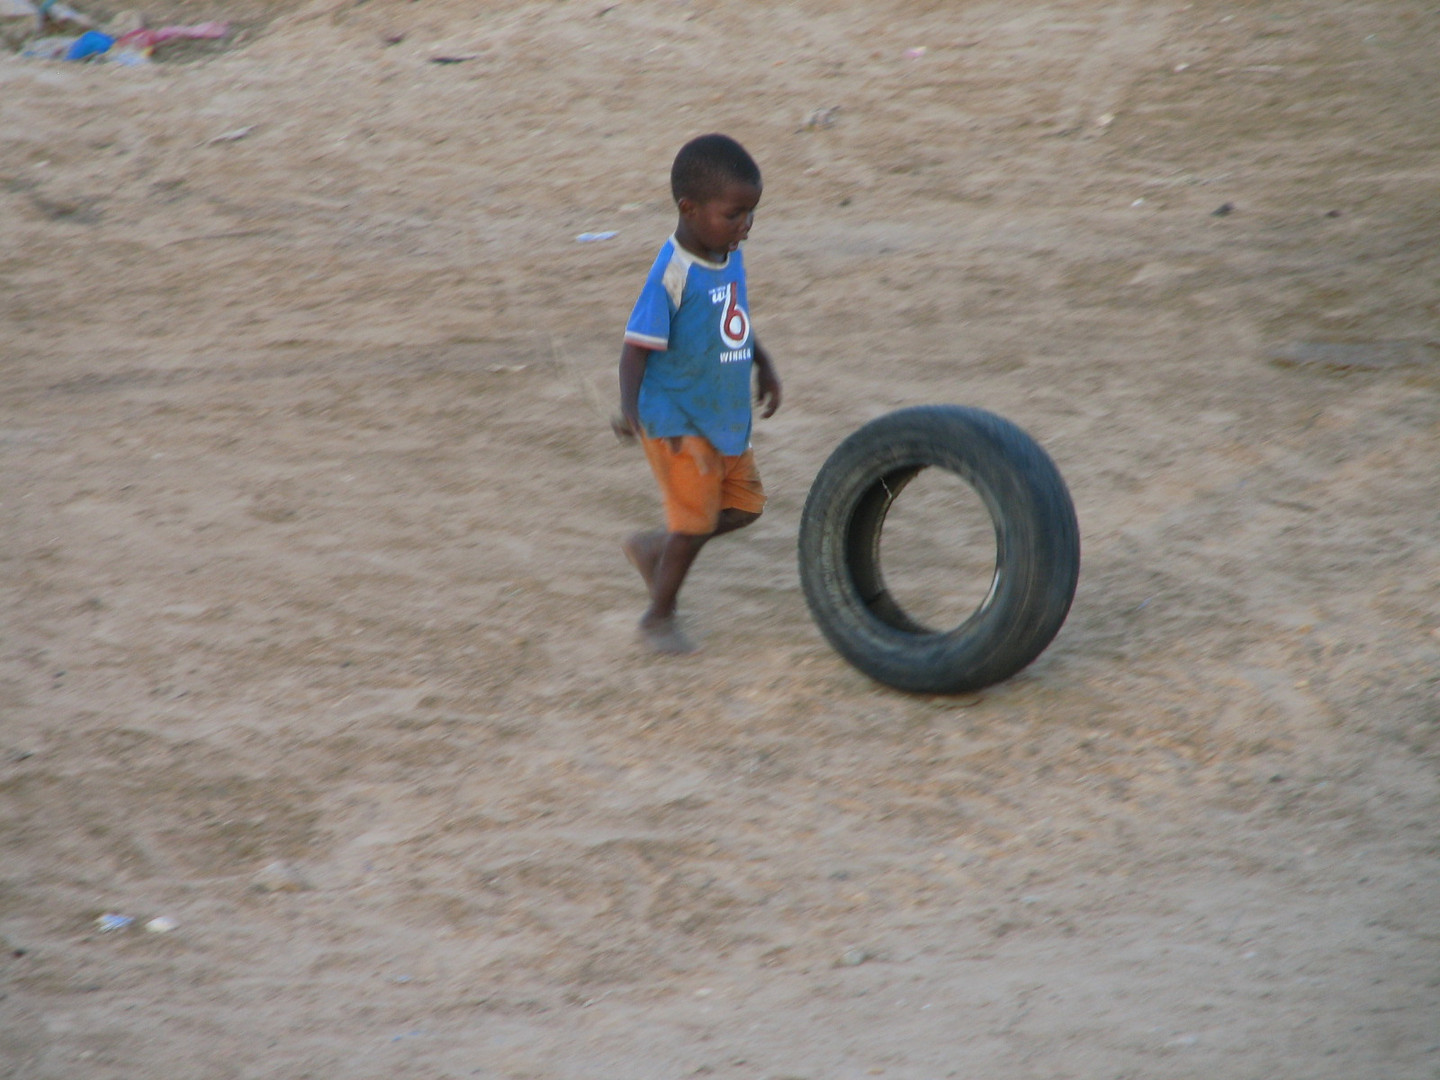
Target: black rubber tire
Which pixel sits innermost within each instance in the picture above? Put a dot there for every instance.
(1037, 549)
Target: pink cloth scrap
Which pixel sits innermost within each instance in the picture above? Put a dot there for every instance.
(148, 39)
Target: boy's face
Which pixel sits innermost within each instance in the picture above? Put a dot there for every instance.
(714, 227)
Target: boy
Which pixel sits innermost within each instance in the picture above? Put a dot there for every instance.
(685, 376)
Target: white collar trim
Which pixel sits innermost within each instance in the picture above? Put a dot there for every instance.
(689, 256)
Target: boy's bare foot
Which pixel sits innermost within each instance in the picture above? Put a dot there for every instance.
(643, 550)
(665, 636)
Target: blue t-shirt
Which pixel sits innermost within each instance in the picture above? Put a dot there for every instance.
(695, 315)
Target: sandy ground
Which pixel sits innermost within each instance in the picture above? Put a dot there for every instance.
(311, 523)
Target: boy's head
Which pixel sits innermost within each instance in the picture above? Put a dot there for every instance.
(717, 186)
(705, 166)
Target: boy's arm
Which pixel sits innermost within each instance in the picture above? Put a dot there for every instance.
(767, 382)
(633, 359)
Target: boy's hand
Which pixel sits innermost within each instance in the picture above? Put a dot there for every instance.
(767, 383)
(767, 392)
(623, 426)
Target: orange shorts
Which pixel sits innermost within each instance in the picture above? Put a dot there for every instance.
(697, 482)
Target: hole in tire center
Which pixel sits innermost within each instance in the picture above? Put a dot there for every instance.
(937, 550)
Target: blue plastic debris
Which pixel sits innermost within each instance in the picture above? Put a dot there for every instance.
(91, 43)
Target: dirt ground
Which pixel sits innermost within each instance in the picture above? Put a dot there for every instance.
(310, 550)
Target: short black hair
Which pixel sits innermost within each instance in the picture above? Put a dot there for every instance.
(706, 164)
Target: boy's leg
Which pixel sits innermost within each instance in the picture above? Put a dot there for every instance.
(677, 554)
(689, 483)
(695, 482)
(643, 550)
(732, 518)
(658, 625)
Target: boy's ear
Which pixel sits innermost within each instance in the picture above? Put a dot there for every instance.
(685, 205)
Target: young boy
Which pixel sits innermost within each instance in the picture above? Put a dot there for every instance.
(685, 376)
